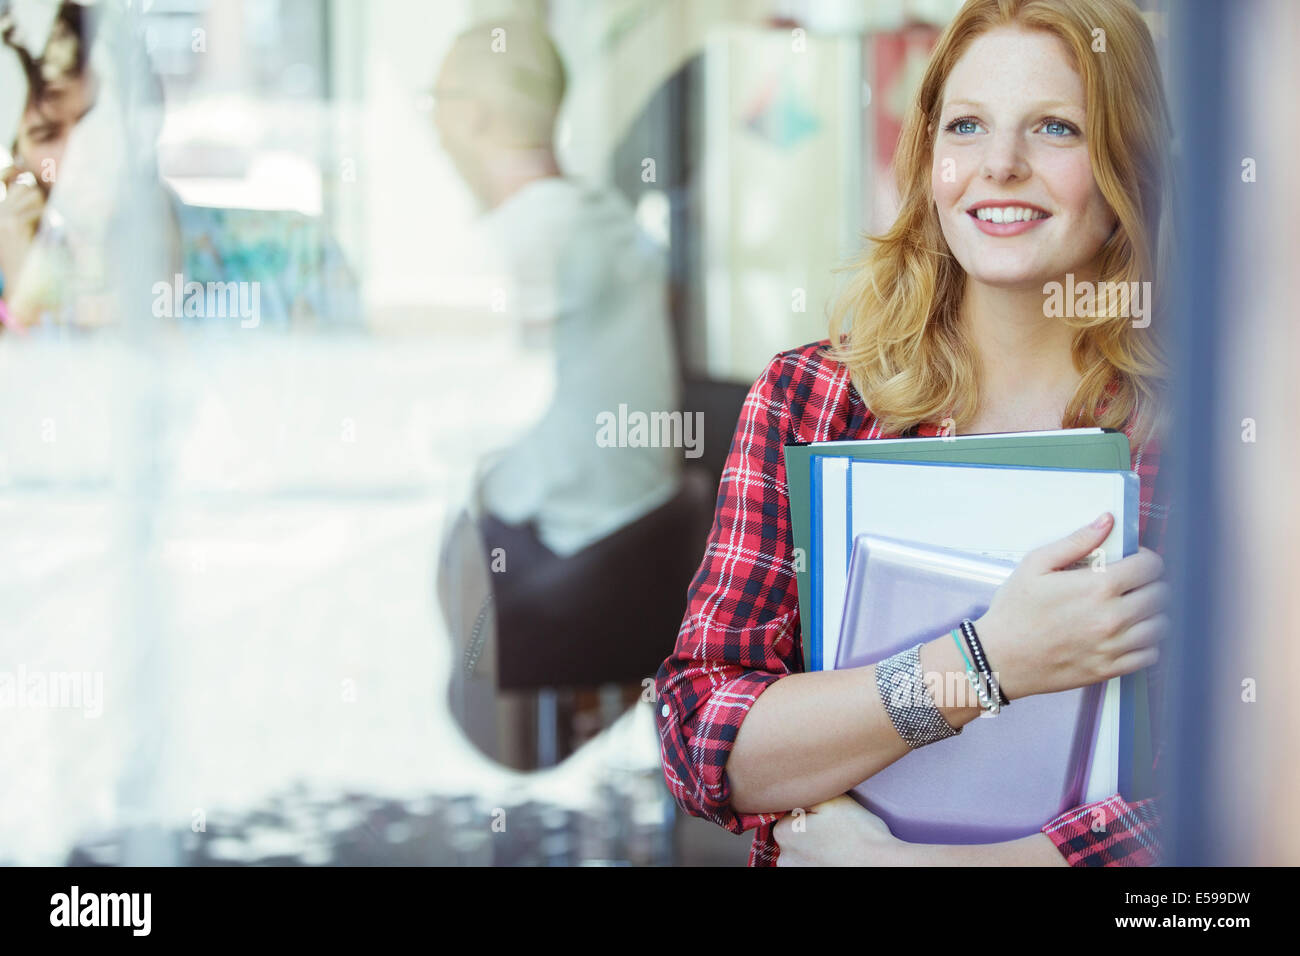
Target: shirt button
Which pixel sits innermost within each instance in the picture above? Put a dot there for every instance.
(663, 711)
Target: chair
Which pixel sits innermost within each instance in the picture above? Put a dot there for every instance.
(607, 616)
(610, 613)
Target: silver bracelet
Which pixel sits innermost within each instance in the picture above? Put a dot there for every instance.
(907, 701)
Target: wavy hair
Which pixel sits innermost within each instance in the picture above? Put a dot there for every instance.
(66, 52)
(895, 323)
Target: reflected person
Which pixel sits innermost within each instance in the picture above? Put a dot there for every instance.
(584, 283)
(63, 215)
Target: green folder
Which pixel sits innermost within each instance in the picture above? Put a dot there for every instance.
(1104, 450)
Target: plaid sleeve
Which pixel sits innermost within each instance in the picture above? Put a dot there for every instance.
(740, 632)
(1110, 832)
(1114, 832)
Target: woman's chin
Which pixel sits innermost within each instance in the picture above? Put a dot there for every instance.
(1012, 278)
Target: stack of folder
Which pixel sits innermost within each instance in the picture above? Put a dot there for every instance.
(899, 539)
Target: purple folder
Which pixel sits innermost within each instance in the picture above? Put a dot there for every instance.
(1002, 777)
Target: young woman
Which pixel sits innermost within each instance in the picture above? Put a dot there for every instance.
(1035, 153)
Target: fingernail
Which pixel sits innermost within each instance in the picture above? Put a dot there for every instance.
(1101, 522)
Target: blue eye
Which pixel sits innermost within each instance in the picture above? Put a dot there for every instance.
(962, 126)
(1059, 128)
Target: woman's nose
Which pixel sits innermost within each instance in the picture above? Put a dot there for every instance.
(1004, 159)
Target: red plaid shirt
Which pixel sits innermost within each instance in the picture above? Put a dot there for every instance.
(741, 629)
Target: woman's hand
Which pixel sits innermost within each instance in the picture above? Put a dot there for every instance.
(20, 213)
(1049, 629)
(839, 832)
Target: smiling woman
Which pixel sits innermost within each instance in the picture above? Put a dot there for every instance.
(1033, 157)
(1003, 191)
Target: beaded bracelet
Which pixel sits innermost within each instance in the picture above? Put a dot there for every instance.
(982, 663)
(973, 677)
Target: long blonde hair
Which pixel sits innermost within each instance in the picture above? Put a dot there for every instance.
(895, 323)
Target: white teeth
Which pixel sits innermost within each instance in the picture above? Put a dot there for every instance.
(1008, 214)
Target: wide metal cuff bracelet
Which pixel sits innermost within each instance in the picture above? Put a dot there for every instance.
(908, 702)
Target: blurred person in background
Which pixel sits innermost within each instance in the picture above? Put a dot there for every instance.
(582, 282)
(63, 203)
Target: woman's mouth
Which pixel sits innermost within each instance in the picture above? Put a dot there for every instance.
(1008, 219)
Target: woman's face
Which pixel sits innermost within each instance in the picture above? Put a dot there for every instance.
(45, 127)
(1011, 177)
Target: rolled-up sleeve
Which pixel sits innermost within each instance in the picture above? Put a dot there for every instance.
(1110, 832)
(740, 632)
(1115, 831)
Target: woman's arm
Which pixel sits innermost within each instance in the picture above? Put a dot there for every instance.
(20, 213)
(814, 736)
(744, 736)
(1109, 832)
(818, 735)
(1035, 850)
(840, 832)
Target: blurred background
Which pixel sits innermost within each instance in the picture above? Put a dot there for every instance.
(326, 541)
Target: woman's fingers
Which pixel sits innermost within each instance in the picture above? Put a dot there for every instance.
(1143, 635)
(1074, 547)
(1134, 571)
(1106, 581)
(25, 201)
(1136, 661)
(12, 174)
(1143, 602)
(23, 204)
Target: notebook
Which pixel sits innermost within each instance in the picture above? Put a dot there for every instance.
(995, 511)
(1086, 448)
(1003, 776)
